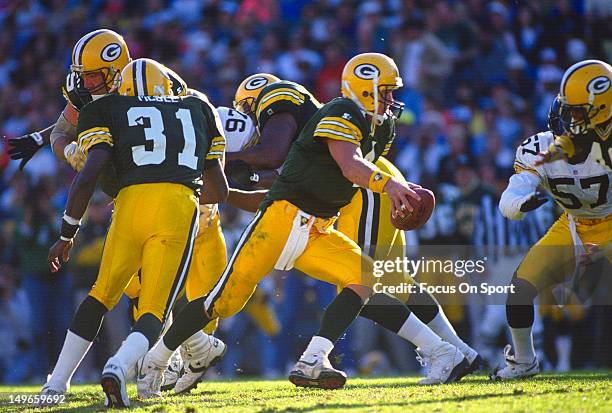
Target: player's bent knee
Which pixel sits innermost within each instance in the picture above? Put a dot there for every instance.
(522, 293)
(364, 292)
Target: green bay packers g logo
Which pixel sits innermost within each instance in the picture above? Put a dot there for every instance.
(366, 71)
(256, 83)
(598, 85)
(110, 52)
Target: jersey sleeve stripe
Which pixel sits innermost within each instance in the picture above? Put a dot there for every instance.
(213, 155)
(86, 145)
(283, 91)
(278, 97)
(217, 148)
(344, 125)
(96, 129)
(330, 134)
(521, 168)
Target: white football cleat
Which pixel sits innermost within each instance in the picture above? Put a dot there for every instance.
(446, 364)
(197, 359)
(114, 385)
(316, 371)
(513, 369)
(174, 371)
(150, 377)
(50, 395)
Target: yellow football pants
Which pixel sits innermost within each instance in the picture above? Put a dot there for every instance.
(329, 256)
(153, 229)
(552, 259)
(207, 265)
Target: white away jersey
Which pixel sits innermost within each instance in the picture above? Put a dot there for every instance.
(602, 152)
(582, 190)
(240, 131)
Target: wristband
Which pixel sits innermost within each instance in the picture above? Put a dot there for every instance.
(378, 180)
(70, 227)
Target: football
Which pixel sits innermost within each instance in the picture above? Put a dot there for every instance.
(421, 213)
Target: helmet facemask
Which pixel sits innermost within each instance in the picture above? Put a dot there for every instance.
(395, 108)
(577, 118)
(245, 106)
(107, 84)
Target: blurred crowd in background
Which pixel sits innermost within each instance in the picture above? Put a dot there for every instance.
(479, 77)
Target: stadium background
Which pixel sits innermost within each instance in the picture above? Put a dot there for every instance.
(479, 76)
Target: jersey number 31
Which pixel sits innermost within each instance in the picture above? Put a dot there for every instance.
(155, 133)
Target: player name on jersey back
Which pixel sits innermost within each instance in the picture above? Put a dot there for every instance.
(166, 99)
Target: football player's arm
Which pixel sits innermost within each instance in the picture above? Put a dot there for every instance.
(81, 190)
(24, 147)
(246, 200)
(63, 138)
(266, 178)
(274, 143)
(521, 195)
(215, 183)
(359, 171)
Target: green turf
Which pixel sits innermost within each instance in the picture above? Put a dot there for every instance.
(576, 392)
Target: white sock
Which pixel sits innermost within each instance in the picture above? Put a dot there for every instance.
(523, 344)
(318, 345)
(74, 350)
(443, 328)
(133, 348)
(160, 353)
(419, 334)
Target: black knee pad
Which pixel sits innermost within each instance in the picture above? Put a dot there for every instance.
(519, 303)
(88, 318)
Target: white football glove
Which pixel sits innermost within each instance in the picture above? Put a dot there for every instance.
(74, 156)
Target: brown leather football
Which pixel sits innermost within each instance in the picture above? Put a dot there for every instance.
(421, 213)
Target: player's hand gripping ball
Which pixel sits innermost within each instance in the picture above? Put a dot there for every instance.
(421, 213)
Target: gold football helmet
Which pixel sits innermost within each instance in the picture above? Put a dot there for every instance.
(248, 91)
(365, 80)
(101, 51)
(586, 98)
(145, 77)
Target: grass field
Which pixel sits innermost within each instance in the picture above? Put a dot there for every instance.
(574, 392)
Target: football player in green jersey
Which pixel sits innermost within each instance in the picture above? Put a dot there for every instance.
(163, 148)
(294, 228)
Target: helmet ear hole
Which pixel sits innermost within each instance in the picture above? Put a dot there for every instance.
(365, 93)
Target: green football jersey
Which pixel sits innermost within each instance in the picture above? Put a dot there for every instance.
(311, 179)
(285, 97)
(152, 139)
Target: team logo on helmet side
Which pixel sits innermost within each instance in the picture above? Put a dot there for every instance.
(366, 71)
(599, 85)
(256, 83)
(111, 52)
